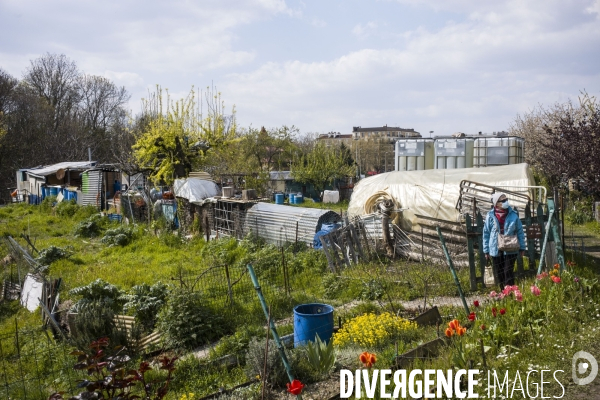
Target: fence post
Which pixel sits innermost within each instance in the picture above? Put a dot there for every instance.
(471, 253)
(557, 235)
(482, 260)
(229, 287)
(284, 359)
(451, 265)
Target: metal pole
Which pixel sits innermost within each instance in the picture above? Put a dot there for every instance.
(543, 251)
(451, 265)
(284, 359)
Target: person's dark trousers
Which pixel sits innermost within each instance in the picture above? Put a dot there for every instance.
(504, 266)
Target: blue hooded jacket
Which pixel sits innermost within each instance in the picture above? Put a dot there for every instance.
(512, 226)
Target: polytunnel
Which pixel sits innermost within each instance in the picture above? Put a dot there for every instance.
(432, 194)
(278, 224)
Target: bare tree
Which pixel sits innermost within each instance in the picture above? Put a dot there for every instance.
(54, 78)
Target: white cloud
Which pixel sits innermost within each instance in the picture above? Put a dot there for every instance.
(467, 76)
(363, 31)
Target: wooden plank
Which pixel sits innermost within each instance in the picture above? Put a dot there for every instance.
(356, 240)
(334, 251)
(340, 240)
(327, 251)
(350, 244)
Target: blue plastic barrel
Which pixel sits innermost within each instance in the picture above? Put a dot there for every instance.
(53, 191)
(292, 198)
(46, 191)
(310, 320)
(69, 195)
(279, 198)
(299, 199)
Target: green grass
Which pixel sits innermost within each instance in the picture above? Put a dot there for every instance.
(377, 285)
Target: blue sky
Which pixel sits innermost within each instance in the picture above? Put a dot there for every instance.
(328, 65)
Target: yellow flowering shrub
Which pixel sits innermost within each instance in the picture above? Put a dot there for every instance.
(187, 396)
(370, 330)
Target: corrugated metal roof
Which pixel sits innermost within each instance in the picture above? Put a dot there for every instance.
(52, 169)
(281, 175)
(277, 223)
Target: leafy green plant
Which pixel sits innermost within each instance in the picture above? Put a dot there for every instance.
(67, 208)
(120, 236)
(48, 203)
(321, 355)
(98, 291)
(90, 227)
(53, 253)
(187, 322)
(238, 342)
(110, 378)
(144, 303)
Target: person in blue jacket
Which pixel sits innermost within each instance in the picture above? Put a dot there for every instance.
(502, 217)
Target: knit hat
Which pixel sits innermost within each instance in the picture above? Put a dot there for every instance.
(496, 196)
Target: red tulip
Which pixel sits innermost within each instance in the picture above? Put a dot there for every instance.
(494, 311)
(472, 316)
(476, 303)
(482, 327)
(502, 311)
(295, 387)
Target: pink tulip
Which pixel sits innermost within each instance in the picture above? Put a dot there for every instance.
(535, 290)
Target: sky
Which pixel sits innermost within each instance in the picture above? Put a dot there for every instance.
(327, 65)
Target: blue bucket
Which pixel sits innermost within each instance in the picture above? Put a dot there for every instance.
(310, 320)
(292, 198)
(279, 198)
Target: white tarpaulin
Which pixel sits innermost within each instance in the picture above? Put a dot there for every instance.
(331, 196)
(432, 193)
(195, 190)
(31, 293)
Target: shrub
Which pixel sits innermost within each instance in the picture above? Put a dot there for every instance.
(144, 302)
(120, 236)
(374, 331)
(110, 376)
(48, 255)
(90, 227)
(187, 322)
(67, 208)
(48, 203)
(238, 342)
(97, 319)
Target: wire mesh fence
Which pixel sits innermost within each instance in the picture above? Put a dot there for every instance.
(33, 365)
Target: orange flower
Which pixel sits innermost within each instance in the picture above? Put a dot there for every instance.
(364, 357)
(461, 331)
(454, 324)
(368, 359)
(449, 332)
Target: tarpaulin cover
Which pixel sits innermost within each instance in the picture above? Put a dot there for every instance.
(431, 193)
(195, 190)
(32, 292)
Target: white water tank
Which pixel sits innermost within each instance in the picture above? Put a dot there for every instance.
(496, 150)
(414, 154)
(453, 152)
